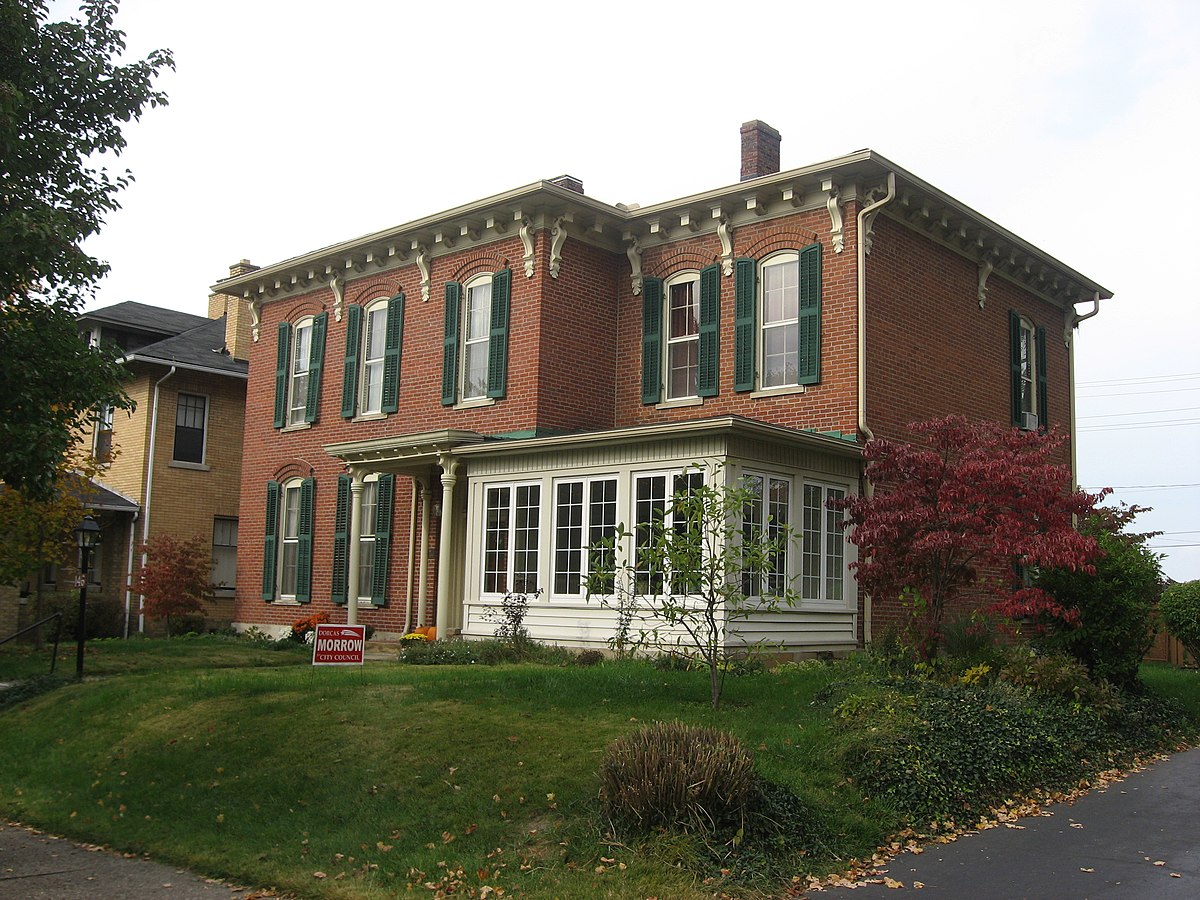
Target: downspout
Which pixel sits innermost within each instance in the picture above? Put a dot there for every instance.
(412, 547)
(129, 569)
(1070, 338)
(863, 427)
(149, 489)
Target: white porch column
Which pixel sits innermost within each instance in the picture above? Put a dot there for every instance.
(354, 550)
(449, 467)
(423, 577)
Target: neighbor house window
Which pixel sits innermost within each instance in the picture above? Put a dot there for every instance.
(585, 514)
(823, 570)
(475, 344)
(287, 556)
(765, 515)
(102, 451)
(1027, 351)
(224, 553)
(191, 416)
(680, 340)
(372, 364)
(510, 542)
(777, 320)
(299, 362)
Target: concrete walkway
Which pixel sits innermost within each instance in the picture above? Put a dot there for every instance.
(1137, 839)
(36, 866)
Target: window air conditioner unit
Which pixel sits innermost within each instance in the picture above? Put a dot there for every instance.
(1029, 421)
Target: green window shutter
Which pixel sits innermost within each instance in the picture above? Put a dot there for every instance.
(1043, 412)
(708, 377)
(1014, 359)
(304, 534)
(498, 339)
(450, 344)
(316, 365)
(808, 346)
(341, 540)
(745, 304)
(282, 352)
(391, 354)
(383, 538)
(652, 310)
(271, 541)
(354, 316)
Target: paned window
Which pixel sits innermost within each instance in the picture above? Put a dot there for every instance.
(287, 548)
(511, 535)
(653, 504)
(224, 553)
(475, 345)
(683, 336)
(777, 320)
(780, 308)
(766, 515)
(191, 413)
(374, 344)
(824, 549)
(299, 360)
(585, 513)
(369, 501)
(298, 373)
(102, 450)
(1027, 349)
(290, 540)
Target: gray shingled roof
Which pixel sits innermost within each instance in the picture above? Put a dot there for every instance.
(143, 317)
(202, 347)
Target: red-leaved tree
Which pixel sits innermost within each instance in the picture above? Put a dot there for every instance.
(960, 510)
(176, 578)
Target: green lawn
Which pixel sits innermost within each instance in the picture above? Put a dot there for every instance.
(358, 782)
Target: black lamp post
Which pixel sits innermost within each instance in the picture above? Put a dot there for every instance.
(87, 536)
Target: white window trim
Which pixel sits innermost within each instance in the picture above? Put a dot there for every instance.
(510, 573)
(297, 483)
(292, 375)
(366, 536)
(364, 360)
(793, 549)
(848, 601)
(1027, 338)
(552, 548)
(779, 258)
(466, 401)
(685, 277)
(230, 589)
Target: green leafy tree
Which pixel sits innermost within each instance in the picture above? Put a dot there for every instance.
(1114, 603)
(63, 101)
(175, 579)
(681, 582)
(1180, 609)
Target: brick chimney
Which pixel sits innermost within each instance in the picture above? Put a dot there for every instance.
(237, 322)
(760, 150)
(570, 182)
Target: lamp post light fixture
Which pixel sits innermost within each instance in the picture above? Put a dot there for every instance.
(87, 536)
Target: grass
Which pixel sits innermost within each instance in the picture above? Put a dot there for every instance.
(357, 783)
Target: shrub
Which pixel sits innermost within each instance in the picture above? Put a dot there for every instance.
(1115, 603)
(1180, 609)
(589, 658)
(672, 775)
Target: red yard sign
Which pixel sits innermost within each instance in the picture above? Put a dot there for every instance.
(339, 645)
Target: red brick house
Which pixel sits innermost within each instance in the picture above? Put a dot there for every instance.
(455, 408)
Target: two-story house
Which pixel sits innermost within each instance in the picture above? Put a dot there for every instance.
(456, 408)
(176, 458)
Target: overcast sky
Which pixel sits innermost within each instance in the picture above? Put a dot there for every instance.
(295, 125)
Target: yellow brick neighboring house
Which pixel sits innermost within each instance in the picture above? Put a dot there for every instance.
(178, 455)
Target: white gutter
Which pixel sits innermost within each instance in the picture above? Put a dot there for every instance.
(149, 489)
(129, 570)
(1075, 320)
(863, 427)
(412, 548)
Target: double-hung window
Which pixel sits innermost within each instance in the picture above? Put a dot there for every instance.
(287, 549)
(823, 566)
(777, 320)
(191, 417)
(224, 554)
(680, 336)
(475, 341)
(375, 499)
(371, 376)
(299, 361)
(1027, 354)
(585, 516)
(103, 447)
(765, 518)
(511, 535)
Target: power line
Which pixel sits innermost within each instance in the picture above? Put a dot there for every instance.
(1125, 426)
(1140, 380)
(1138, 393)
(1142, 412)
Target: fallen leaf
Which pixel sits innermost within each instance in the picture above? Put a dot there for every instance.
(893, 883)
(319, 875)
(918, 885)
(1159, 862)
(1076, 824)
(1176, 875)
(1086, 869)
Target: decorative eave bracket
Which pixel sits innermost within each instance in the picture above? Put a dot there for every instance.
(725, 234)
(633, 250)
(255, 316)
(985, 269)
(526, 233)
(336, 285)
(558, 238)
(834, 204)
(423, 265)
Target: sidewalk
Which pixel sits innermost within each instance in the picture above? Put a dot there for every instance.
(35, 866)
(1137, 839)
